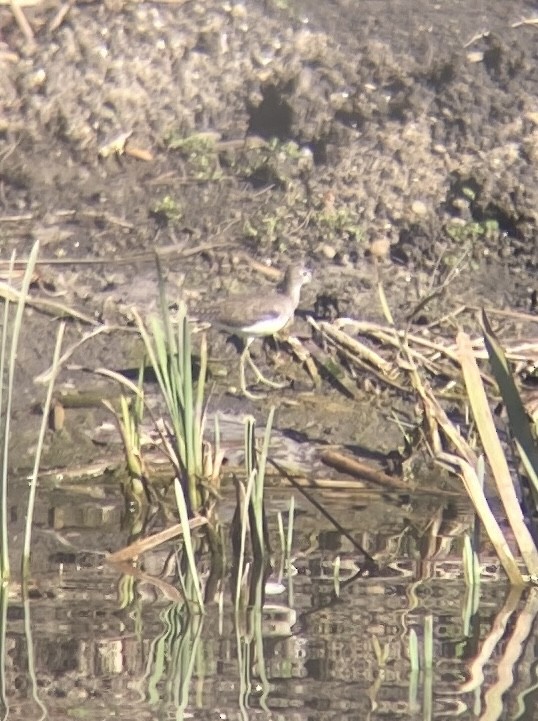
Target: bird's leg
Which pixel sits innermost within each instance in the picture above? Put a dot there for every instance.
(260, 377)
(242, 380)
(257, 372)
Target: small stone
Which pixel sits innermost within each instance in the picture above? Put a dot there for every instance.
(460, 204)
(380, 247)
(328, 251)
(419, 208)
(475, 57)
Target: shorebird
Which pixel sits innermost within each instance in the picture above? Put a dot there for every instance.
(257, 315)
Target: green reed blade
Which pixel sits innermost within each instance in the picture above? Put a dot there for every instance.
(187, 539)
(11, 364)
(55, 369)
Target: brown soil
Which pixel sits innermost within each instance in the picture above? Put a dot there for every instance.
(326, 127)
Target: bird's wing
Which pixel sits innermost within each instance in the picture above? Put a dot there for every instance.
(242, 312)
(246, 312)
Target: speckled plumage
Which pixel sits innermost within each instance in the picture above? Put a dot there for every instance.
(255, 315)
(264, 313)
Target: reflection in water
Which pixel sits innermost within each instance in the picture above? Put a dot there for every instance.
(329, 644)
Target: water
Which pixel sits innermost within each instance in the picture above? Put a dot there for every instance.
(91, 642)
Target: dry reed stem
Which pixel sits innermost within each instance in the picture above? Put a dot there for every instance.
(347, 464)
(304, 356)
(483, 659)
(22, 22)
(149, 255)
(417, 348)
(465, 464)
(47, 306)
(351, 344)
(525, 21)
(494, 453)
(146, 544)
(170, 592)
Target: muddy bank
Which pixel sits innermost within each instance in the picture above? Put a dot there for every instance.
(260, 133)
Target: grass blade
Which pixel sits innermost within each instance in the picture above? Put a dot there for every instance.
(519, 422)
(17, 324)
(494, 452)
(25, 565)
(4, 430)
(187, 538)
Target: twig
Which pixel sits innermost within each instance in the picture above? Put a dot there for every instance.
(447, 317)
(514, 314)
(357, 469)
(146, 544)
(16, 218)
(22, 22)
(170, 592)
(478, 36)
(525, 21)
(60, 16)
(125, 259)
(47, 306)
(333, 333)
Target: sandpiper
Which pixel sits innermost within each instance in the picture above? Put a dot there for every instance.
(259, 314)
